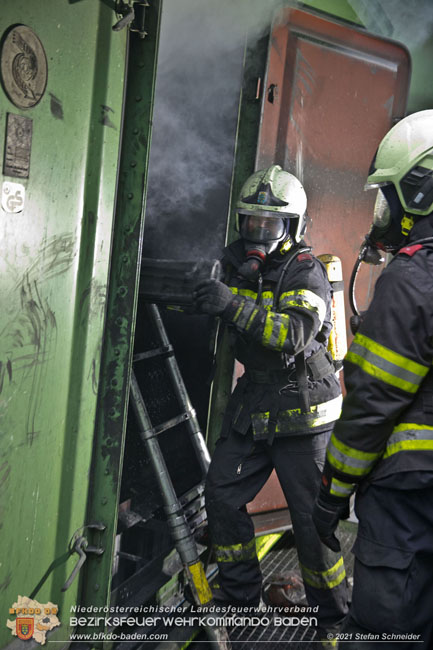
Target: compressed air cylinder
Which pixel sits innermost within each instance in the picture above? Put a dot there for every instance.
(337, 344)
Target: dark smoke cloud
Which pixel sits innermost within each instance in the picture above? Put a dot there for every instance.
(197, 95)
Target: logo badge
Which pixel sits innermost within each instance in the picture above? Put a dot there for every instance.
(33, 620)
(25, 628)
(13, 195)
(23, 67)
(262, 198)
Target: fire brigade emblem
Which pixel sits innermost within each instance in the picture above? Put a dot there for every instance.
(23, 67)
(32, 620)
(25, 628)
(261, 198)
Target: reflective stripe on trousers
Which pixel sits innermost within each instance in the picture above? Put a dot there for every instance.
(325, 579)
(236, 552)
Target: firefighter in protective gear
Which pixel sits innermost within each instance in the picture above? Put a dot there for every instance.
(276, 303)
(382, 445)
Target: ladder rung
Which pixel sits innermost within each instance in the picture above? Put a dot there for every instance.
(157, 352)
(171, 423)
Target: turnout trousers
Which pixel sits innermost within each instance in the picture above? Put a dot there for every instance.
(239, 469)
(392, 600)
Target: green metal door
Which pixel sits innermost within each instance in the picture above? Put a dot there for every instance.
(60, 117)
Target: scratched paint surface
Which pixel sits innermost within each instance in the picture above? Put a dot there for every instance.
(54, 264)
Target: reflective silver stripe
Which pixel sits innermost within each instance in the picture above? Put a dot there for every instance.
(348, 459)
(325, 579)
(409, 437)
(247, 293)
(294, 419)
(275, 331)
(305, 299)
(387, 366)
(341, 489)
(242, 316)
(267, 300)
(236, 552)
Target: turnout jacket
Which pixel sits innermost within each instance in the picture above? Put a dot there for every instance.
(279, 325)
(385, 431)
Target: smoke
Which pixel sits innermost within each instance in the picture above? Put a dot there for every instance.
(196, 106)
(410, 23)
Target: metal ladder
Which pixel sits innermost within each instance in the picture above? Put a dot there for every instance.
(181, 533)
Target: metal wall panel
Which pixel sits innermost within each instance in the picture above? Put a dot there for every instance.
(54, 264)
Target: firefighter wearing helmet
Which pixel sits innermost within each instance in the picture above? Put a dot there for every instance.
(382, 445)
(276, 303)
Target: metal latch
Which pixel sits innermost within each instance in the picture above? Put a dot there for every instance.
(133, 15)
(127, 14)
(79, 544)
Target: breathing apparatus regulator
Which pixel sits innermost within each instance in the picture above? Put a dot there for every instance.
(270, 216)
(402, 172)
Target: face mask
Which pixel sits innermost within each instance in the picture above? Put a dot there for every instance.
(389, 230)
(264, 232)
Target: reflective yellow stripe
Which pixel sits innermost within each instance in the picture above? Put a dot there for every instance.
(267, 300)
(275, 331)
(348, 459)
(251, 318)
(267, 332)
(385, 364)
(294, 420)
(386, 377)
(325, 579)
(265, 543)
(200, 582)
(408, 445)
(284, 331)
(409, 437)
(340, 488)
(243, 292)
(236, 552)
(406, 426)
(391, 356)
(238, 312)
(308, 300)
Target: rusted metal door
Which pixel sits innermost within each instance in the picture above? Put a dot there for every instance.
(330, 94)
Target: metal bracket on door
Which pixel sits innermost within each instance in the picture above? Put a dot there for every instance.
(79, 544)
(132, 15)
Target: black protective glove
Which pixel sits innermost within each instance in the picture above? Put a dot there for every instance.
(326, 516)
(212, 297)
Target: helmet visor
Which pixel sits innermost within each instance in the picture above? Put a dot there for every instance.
(261, 230)
(382, 211)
